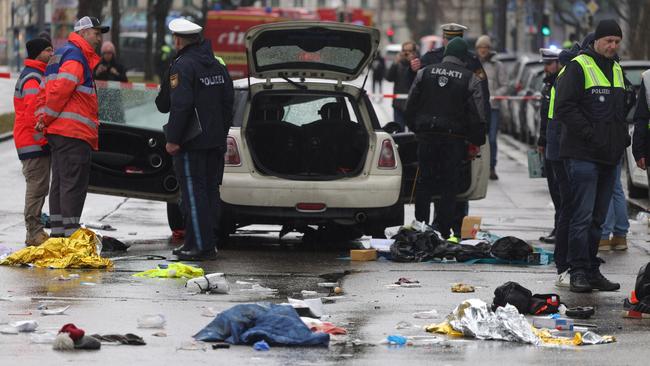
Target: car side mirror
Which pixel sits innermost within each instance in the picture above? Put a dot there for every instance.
(393, 127)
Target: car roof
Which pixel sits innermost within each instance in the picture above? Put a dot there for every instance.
(635, 63)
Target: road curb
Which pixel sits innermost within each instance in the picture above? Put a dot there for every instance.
(6, 136)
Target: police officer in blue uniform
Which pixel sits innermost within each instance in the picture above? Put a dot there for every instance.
(199, 96)
(444, 109)
(471, 61)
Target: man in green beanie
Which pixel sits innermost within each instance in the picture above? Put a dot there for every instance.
(445, 110)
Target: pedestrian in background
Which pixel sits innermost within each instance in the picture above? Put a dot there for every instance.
(400, 74)
(109, 67)
(111, 108)
(590, 104)
(444, 109)
(70, 121)
(498, 84)
(378, 73)
(33, 150)
(199, 98)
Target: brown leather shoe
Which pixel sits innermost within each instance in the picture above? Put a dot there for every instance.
(605, 245)
(38, 239)
(619, 243)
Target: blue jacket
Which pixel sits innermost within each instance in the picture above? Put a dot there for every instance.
(197, 85)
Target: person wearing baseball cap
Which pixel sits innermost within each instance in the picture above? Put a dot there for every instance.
(590, 104)
(69, 120)
(199, 96)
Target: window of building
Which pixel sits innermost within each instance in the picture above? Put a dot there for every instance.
(364, 4)
(298, 3)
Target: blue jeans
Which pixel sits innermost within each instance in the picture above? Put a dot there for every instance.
(616, 219)
(492, 136)
(591, 191)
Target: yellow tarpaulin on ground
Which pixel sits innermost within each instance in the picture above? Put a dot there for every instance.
(173, 270)
(77, 251)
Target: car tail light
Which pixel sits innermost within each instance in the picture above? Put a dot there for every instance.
(232, 152)
(387, 156)
(311, 207)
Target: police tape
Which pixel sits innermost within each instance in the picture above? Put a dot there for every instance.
(103, 83)
(495, 97)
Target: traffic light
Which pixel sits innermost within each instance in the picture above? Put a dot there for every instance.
(390, 33)
(545, 29)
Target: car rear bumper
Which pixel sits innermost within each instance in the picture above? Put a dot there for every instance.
(246, 215)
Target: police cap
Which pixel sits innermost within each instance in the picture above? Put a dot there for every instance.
(183, 27)
(550, 54)
(451, 30)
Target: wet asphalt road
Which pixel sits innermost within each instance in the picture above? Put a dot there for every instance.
(112, 301)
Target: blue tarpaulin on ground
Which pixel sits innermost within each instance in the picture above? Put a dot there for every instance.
(249, 323)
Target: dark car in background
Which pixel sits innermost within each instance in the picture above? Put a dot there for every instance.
(517, 82)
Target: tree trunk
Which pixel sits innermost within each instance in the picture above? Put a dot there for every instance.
(161, 10)
(91, 8)
(115, 27)
(148, 52)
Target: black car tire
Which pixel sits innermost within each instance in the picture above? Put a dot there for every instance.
(634, 191)
(174, 217)
(396, 218)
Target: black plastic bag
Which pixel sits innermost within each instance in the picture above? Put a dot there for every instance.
(414, 246)
(462, 252)
(511, 249)
(110, 244)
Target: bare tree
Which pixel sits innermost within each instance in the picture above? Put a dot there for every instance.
(148, 52)
(115, 27)
(92, 8)
(421, 15)
(637, 18)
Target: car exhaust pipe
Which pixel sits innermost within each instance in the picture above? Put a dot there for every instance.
(360, 217)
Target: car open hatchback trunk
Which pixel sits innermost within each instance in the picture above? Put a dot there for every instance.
(306, 135)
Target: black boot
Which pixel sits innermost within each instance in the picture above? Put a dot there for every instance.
(196, 255)
(175, 251)
(579, 282)
(599, 282)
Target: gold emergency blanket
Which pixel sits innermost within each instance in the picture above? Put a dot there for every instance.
(77, 251)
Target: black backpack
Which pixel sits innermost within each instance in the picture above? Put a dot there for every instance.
(523, 299)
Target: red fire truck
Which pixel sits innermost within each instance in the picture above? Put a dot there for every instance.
(226, 29)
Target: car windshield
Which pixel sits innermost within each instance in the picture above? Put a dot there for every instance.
(128, 104)
(634, 75)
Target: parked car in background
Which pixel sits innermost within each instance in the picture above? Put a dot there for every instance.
(531, 107)
(637, 179)
(520, 127)
(508, 60)
(515, 85)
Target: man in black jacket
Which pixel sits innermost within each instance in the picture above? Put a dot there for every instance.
(590, 105)
(400, 74)
(199, 97)
(444, 109)
(641, 143)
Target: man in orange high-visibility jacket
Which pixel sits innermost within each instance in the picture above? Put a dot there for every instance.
(69, 118)
(31, 145)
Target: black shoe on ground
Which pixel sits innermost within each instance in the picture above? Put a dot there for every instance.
(600, 283)
(195, 255)
(548, 239)
(579, 283)
(493, 175)
(175, 251)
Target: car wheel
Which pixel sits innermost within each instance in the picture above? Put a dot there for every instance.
(396, 218)
(175, 217)
(634, 191)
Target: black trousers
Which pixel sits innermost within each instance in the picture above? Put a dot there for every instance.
(199, 174)
(563, 210)
(70, 175)
(439, 162)
(553, 189)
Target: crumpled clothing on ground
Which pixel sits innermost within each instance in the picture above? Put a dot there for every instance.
(172, 270)
(77, 251)
(249, 323)
(128, 339)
